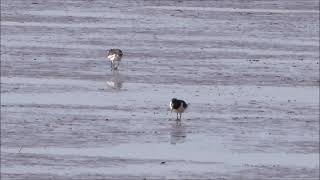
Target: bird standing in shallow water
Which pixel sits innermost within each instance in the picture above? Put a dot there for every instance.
(178, 106)
(114, 55)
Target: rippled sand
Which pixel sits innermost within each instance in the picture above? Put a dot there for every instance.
(249, 69)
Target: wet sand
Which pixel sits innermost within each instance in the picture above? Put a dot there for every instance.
(249, 69)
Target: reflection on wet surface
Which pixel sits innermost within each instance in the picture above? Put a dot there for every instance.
(252, 90)
(178, 133)
(116, 81)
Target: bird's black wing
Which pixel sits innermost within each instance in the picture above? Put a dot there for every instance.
(184, 104)
(120, 53)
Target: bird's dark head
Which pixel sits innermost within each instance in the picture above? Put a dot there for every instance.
(174, 100)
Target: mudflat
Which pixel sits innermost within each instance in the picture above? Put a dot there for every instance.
(249, 69)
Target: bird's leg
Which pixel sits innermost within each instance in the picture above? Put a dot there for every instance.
(180, 115)
(111, 65)
(116, 65)
(177, 117)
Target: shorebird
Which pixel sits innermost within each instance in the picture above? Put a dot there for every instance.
(114, 55)
(178, 106)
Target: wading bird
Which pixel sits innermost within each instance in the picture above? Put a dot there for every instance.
(178, 106)
(114, 55)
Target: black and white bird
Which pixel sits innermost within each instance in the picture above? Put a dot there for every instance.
(178, 106)
(114, 55)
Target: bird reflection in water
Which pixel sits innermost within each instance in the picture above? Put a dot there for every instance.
(115, 82)
(178, 133)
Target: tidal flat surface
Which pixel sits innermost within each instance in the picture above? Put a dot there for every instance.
(249, 69)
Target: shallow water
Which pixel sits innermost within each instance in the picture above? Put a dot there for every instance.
(249, 71)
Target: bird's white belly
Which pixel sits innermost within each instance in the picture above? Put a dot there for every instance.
(179, 110)
(114, 57)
